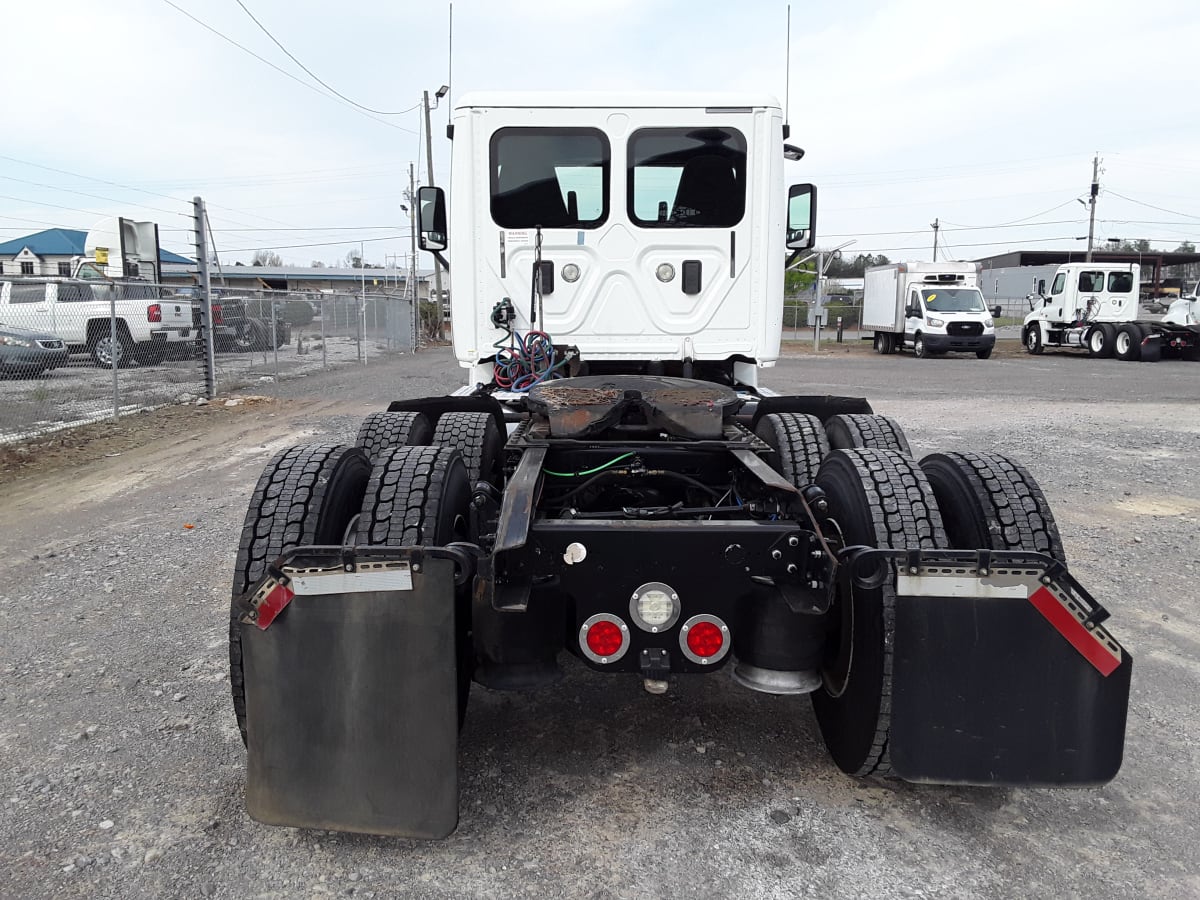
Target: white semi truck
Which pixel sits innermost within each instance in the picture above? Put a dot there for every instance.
(931, 307)
(612, 489)
(1094, 306)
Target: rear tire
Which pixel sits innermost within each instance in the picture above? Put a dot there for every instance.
(477, 437)
(799, 443)
(1099, 340)
(878, 498)
(990, 502)
(883, 343)
(103, 350)
(419, 496)
(383, 430)
(849, 431)
(1127, 344)
(305, 495)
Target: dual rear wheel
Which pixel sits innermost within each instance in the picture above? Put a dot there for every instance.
(390, 490)
(879, 496)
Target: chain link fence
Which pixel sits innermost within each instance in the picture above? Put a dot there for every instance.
(265, 336)
(74, 352)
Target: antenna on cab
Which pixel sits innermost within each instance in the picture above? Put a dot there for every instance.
(787, 75)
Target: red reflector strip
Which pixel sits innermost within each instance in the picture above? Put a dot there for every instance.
(272, 605)
(1088, 643)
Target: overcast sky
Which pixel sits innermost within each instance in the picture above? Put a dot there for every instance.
(975, 113)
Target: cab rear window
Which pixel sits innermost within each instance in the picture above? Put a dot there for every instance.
(549, 177)
(687, 177)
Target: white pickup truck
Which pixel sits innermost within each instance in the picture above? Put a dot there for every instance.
(81, 313)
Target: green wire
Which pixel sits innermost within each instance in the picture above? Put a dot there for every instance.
(601, 468)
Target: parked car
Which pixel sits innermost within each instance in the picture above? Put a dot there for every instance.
(26, 353)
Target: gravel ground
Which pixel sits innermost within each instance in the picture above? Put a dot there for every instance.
(122, 769)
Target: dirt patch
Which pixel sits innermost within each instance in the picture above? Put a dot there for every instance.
(102, 440)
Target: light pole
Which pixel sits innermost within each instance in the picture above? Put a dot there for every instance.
(437, 272)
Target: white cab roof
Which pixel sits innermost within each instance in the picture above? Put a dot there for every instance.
(615, 99)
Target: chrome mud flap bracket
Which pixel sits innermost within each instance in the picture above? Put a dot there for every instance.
(1002, 671)
(351, 690)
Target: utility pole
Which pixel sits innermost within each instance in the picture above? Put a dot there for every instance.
(935, 231)
(200, 215)
(412, 258)
(1092, 204)
(437, 272)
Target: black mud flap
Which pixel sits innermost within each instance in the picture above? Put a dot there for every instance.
(1005, 680)
(351, 698)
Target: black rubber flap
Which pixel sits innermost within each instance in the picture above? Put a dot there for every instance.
(351, 708)
(987, 691)
(683, 407)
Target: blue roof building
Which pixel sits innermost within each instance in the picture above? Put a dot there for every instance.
(50, 252)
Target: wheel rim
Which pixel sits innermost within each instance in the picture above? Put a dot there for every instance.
(919, 347)
(1097, 342)
(1123, 343)
(108, 352)
(1031, 339)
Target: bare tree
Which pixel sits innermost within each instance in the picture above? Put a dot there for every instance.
(316, 264)
(266, 258)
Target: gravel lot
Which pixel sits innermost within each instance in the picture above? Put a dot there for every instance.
(122, 769)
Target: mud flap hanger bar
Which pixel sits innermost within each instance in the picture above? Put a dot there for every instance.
(262, 604)
(867, 568)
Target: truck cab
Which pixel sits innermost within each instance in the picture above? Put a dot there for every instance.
(1083, 305)
(655, 225)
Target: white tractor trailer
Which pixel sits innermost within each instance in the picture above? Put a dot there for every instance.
(1094, 307)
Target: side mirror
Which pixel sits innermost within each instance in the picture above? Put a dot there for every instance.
(431, 218)
(997, 310)
(802, 217)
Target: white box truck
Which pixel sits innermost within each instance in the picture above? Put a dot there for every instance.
(932, 308)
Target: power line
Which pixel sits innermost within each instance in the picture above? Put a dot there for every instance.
(1067, 237)
(942, 229)
(1173, 212)
(281, 71)
(275, 40)
(390, 237)
(169, 212)
(1018, 221)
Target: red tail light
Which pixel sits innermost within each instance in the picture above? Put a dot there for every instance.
(154, 313)
(704, 639)
(604, 638)
(217, 315)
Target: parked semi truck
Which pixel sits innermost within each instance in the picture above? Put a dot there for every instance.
(613, 489)
(1094, 307)
(932, 308)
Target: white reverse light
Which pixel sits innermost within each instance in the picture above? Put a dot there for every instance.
(654, 607)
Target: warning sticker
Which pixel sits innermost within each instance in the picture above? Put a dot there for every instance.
(523, 236)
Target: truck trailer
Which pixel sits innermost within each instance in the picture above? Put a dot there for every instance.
(934, 308)
(1094, 306)
(612, 489)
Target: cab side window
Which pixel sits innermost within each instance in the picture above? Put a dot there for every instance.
(1120, 282)
(1091, 282)
(27, 293)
